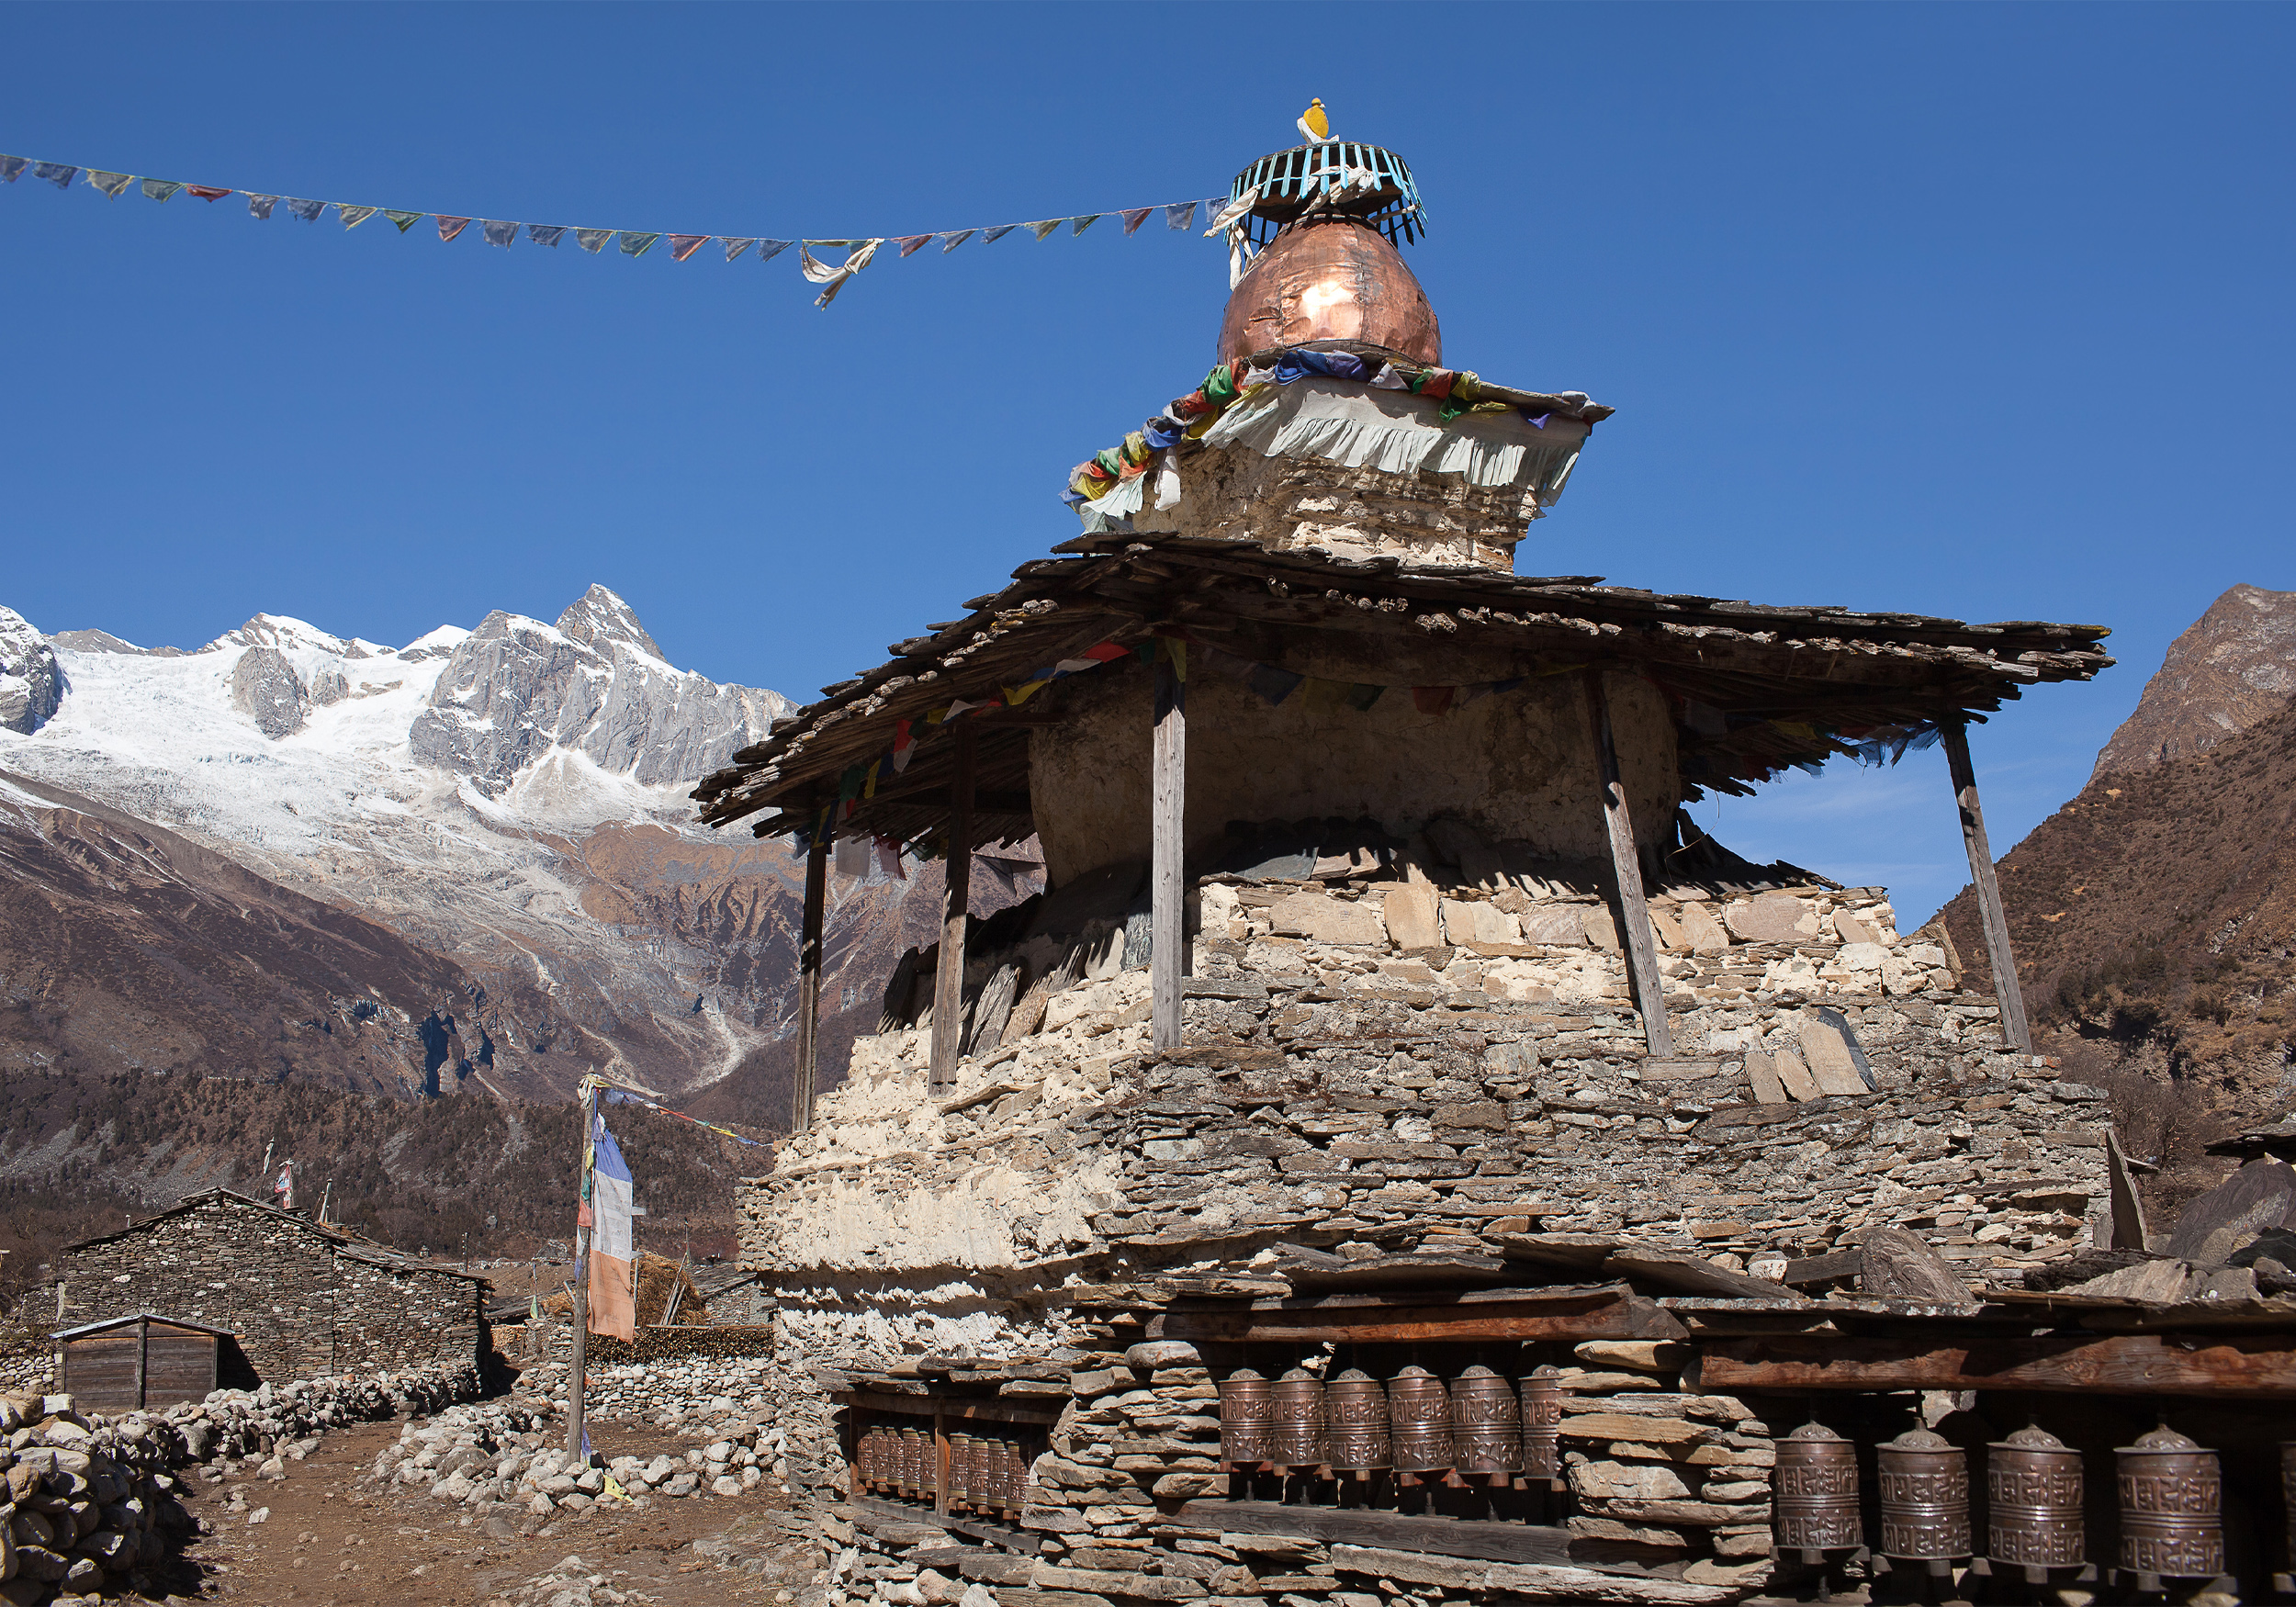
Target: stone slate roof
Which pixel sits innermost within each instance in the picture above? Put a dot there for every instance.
(1824, 665)
(349, 1245)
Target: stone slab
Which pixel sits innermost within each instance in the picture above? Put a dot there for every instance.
(1799, 1085)
(1410, 917)
(1763, 1074)
(1772, 918)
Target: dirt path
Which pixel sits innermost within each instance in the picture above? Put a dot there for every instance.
(332, 1542)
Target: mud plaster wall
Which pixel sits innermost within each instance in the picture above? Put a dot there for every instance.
(1520, 765)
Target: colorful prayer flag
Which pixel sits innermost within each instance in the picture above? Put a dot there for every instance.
(592, 239)
(682, 246)
(260, 206)
(450, 227)
(1432, 700)
(495, 231)
(1043, 227)
(770, 249)
(1078, 225)
(735, 245)
(160, 189)
(546, 233)
(12, 167)
(113, 185)
(1323, 697)
(949, 242)
(308, 211)
(58, 174)
(613, 1304)
(990, 236)
(637, 245)
(1273, 684)
(1135, 218)
(405, 221)
(353, 216)
(912, 243)
(205, 192)
(1362, 695)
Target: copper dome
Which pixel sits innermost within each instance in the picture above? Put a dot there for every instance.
(1335, 279)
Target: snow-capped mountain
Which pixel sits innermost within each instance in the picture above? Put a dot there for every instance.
(513, 798)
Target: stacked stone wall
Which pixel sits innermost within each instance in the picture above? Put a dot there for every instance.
(300, 1304)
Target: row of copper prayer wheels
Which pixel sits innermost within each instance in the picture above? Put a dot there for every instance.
(1479, 1425)
(985, 1472)
(2171, 1501)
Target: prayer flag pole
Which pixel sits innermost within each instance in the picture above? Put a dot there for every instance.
(574, 1382)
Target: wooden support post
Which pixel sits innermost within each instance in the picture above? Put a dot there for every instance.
(949, 980)
(809, 984)
(144, 1354)
(575, 1378)
(940, 1464)
(1634, 913)
(2014, 1031)
(1167, 925)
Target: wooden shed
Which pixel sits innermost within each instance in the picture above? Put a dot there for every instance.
(123, 1362)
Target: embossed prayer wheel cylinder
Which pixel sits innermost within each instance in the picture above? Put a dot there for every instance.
(1924, 1482)
(1247, 1417)
(2033, 1501)
(964, 1467)
(1815, 1490)
(2172, 1505)
(1419, 1422)
(1486, 1424)
(1542, 1424)
(2288, 1496)
(1009, 1472)
(867, 1452)
(916, 1470)
(1298, 1441)
(1354, 1423)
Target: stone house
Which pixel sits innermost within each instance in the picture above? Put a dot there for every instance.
(1386, 1009)
(304, 1300)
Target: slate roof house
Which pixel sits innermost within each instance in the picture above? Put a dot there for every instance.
(303, 1300)
(1388, 1025)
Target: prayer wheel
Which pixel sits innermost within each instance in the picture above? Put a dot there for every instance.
(1542, 1424)
(1247, 1417)
(964, 1467)
(2288, 1496)
(1012, 1475)
(2033, 1505)
(1816, 1491)
(1924, 1482)
(869, 1455)
(1297, 1438)
(1354, 1423)
(1419, 1422)
(1486, 1424)
(2172, 1502)
(913, 1480)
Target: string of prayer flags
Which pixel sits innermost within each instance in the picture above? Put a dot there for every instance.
(1179, 215)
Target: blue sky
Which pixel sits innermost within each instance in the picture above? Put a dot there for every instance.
(1972, 310)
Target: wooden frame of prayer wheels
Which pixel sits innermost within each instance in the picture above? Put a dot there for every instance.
(2033, 1490)
(1486, 1424)
(1815, 1491)
(2288, 1499)
(1355, 1423)
(1542, 1424)
(1296, 1440)
(1419, 1422)
(2172, 1505)
(1924, 1480)
(1247, 1419)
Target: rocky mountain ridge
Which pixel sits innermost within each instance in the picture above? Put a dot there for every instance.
(508, 802)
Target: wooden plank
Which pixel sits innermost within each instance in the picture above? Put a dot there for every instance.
(922, 1406)
(2010, 996)
(1495, 1542)
(1824, 1269)
(143, 1345)
(949, 980)
(1168, 896)
(1642, 953)
(2214, 1365)
(1011, 1539)
(809, 984)
(1601, 1316)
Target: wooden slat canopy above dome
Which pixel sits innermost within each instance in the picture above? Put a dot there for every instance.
(1778, 681)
